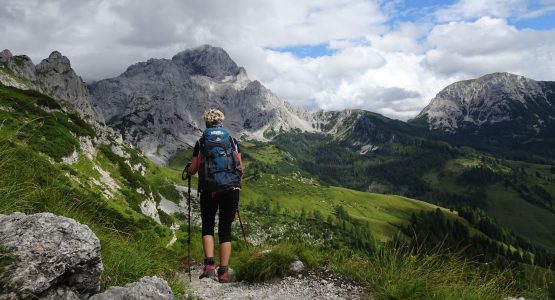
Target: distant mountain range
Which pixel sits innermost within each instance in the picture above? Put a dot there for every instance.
(492, 99)
(157, 105)
(500, 111)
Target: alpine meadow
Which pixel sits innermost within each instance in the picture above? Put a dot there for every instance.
(99, 197)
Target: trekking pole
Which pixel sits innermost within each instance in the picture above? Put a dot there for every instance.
(242, 228)
(189, 227)
(188, 177)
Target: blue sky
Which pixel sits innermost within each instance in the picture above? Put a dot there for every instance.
(422, 12)
(302, 51)
(545, 22)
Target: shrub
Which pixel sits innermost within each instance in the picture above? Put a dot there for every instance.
(262, 266)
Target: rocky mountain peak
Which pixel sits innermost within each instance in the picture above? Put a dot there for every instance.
(495, 84)
(158, 105)
(208, 61)
(55, 55)
(57, 62)
(5, 55)
(490, 99)
(20, 65)
(52, 76)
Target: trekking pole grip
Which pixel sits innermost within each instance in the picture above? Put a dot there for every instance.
(185, 174)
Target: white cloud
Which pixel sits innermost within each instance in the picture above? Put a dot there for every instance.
(395, 84)
(403, 40)
(491, 45)
(471, 9)
(391, 68)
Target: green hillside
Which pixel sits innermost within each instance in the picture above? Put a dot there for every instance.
(53, 161)
(273, 177)
(520, 195)
(35, 137)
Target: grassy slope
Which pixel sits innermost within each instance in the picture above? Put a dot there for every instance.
(294, 193)
(382, 212)
(505, 204)
(523, 218)
(32, 143)
(133, 245)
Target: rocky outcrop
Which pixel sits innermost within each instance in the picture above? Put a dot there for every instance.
(146, 288)
(207, 61)
(52, 255)
(158, 105)
(64, 293)
(57, 258)
(52, 76)
(20, 65)
(491, 99)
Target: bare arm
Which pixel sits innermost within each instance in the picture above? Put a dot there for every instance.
(193, 168)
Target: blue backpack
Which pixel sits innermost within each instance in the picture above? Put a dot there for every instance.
(220, 163)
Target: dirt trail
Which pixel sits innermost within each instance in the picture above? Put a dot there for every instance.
(309, 286)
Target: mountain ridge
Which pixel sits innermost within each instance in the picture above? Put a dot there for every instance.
(158, 104)
(488, 99)
(500, 113)
(53, 76)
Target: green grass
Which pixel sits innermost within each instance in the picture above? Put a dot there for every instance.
(294, 193)
(382, 212)
(180, 159)
(132, 245)
(32, 141)
(523, 218)
(49, 133)
(503, 202)
(260, 266)
(392, 273)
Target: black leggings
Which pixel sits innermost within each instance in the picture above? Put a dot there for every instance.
(227, 202)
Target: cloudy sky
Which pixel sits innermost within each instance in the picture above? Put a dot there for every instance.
(390, 57)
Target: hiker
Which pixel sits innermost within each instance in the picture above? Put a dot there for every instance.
(217, 158)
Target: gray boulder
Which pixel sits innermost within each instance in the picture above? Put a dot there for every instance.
(296, 266)
(61, 293)
(52, 255)
(152, 288)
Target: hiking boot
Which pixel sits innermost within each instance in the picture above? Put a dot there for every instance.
(209, 272)
(223, 277)
(223, 274)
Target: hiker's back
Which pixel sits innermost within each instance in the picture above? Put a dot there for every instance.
(220, 163)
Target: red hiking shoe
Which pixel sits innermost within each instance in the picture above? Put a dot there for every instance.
(223, 275)
(209, 272)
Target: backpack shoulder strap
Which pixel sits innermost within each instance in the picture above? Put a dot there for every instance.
(233, 143)
(201, 145)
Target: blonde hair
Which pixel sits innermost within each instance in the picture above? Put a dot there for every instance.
(212, 116)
